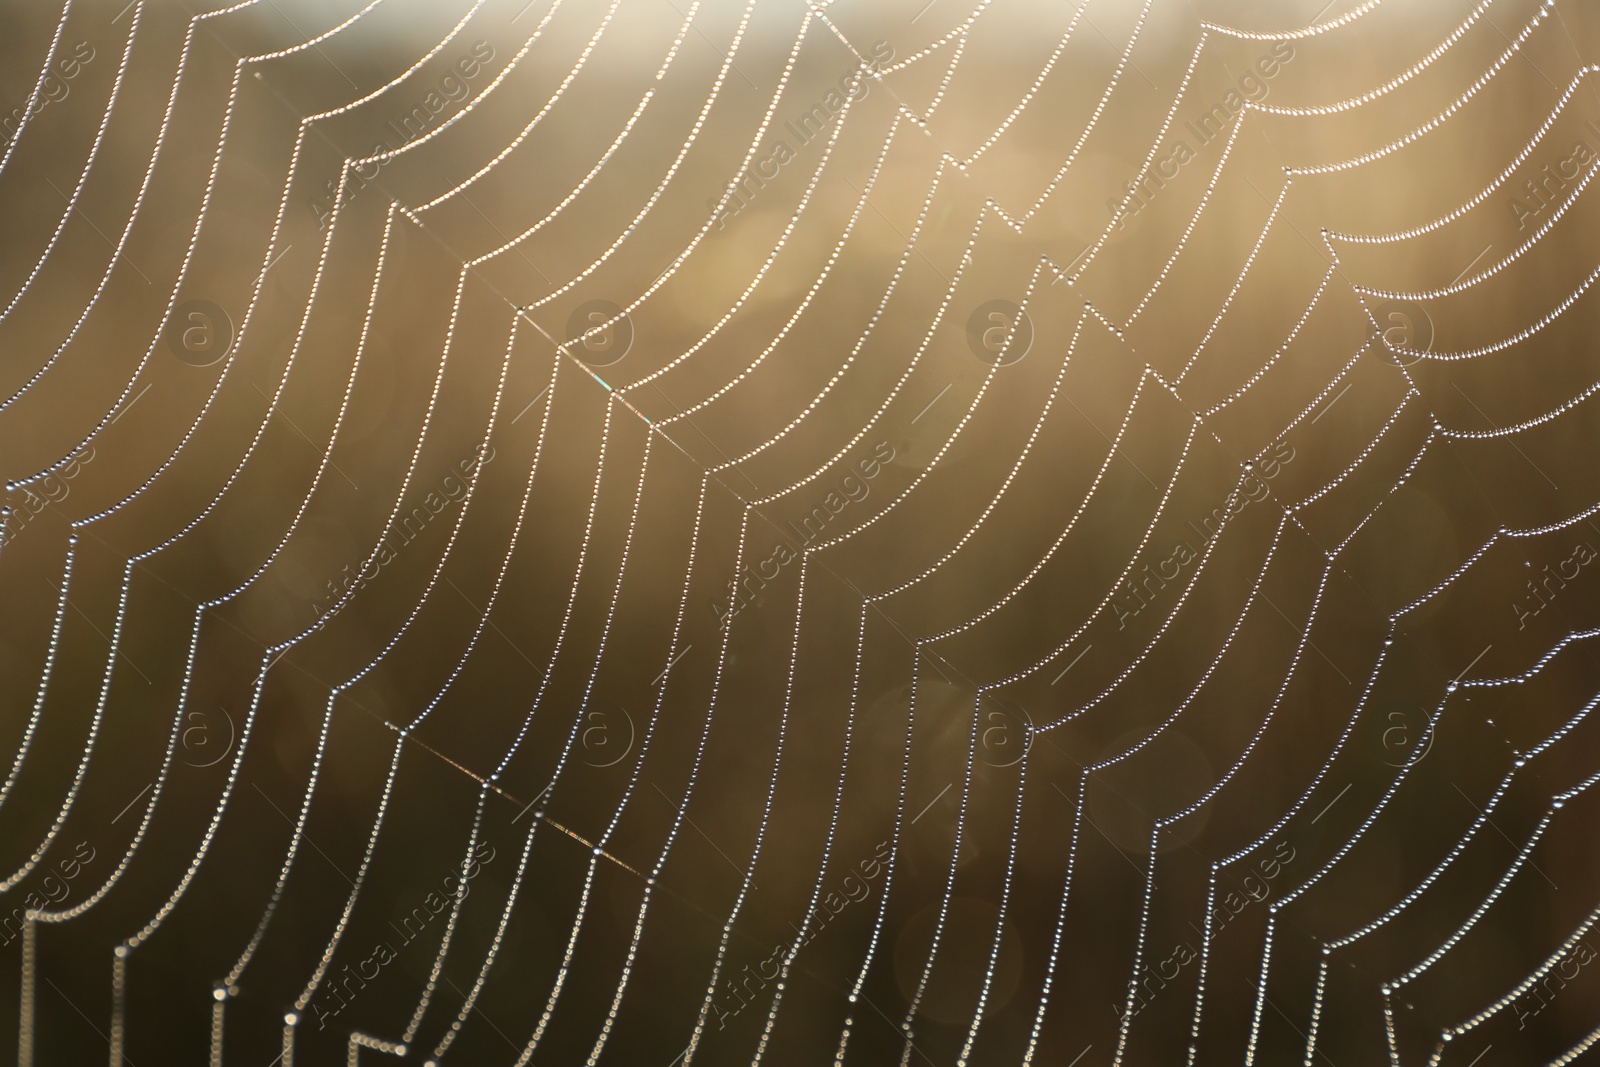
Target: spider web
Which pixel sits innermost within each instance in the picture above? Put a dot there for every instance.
(799, 533)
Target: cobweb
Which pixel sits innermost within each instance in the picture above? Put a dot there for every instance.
(673, 532)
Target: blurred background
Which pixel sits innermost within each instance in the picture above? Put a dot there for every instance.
(862, 532)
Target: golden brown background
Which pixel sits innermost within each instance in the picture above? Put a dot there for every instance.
(680, 532)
